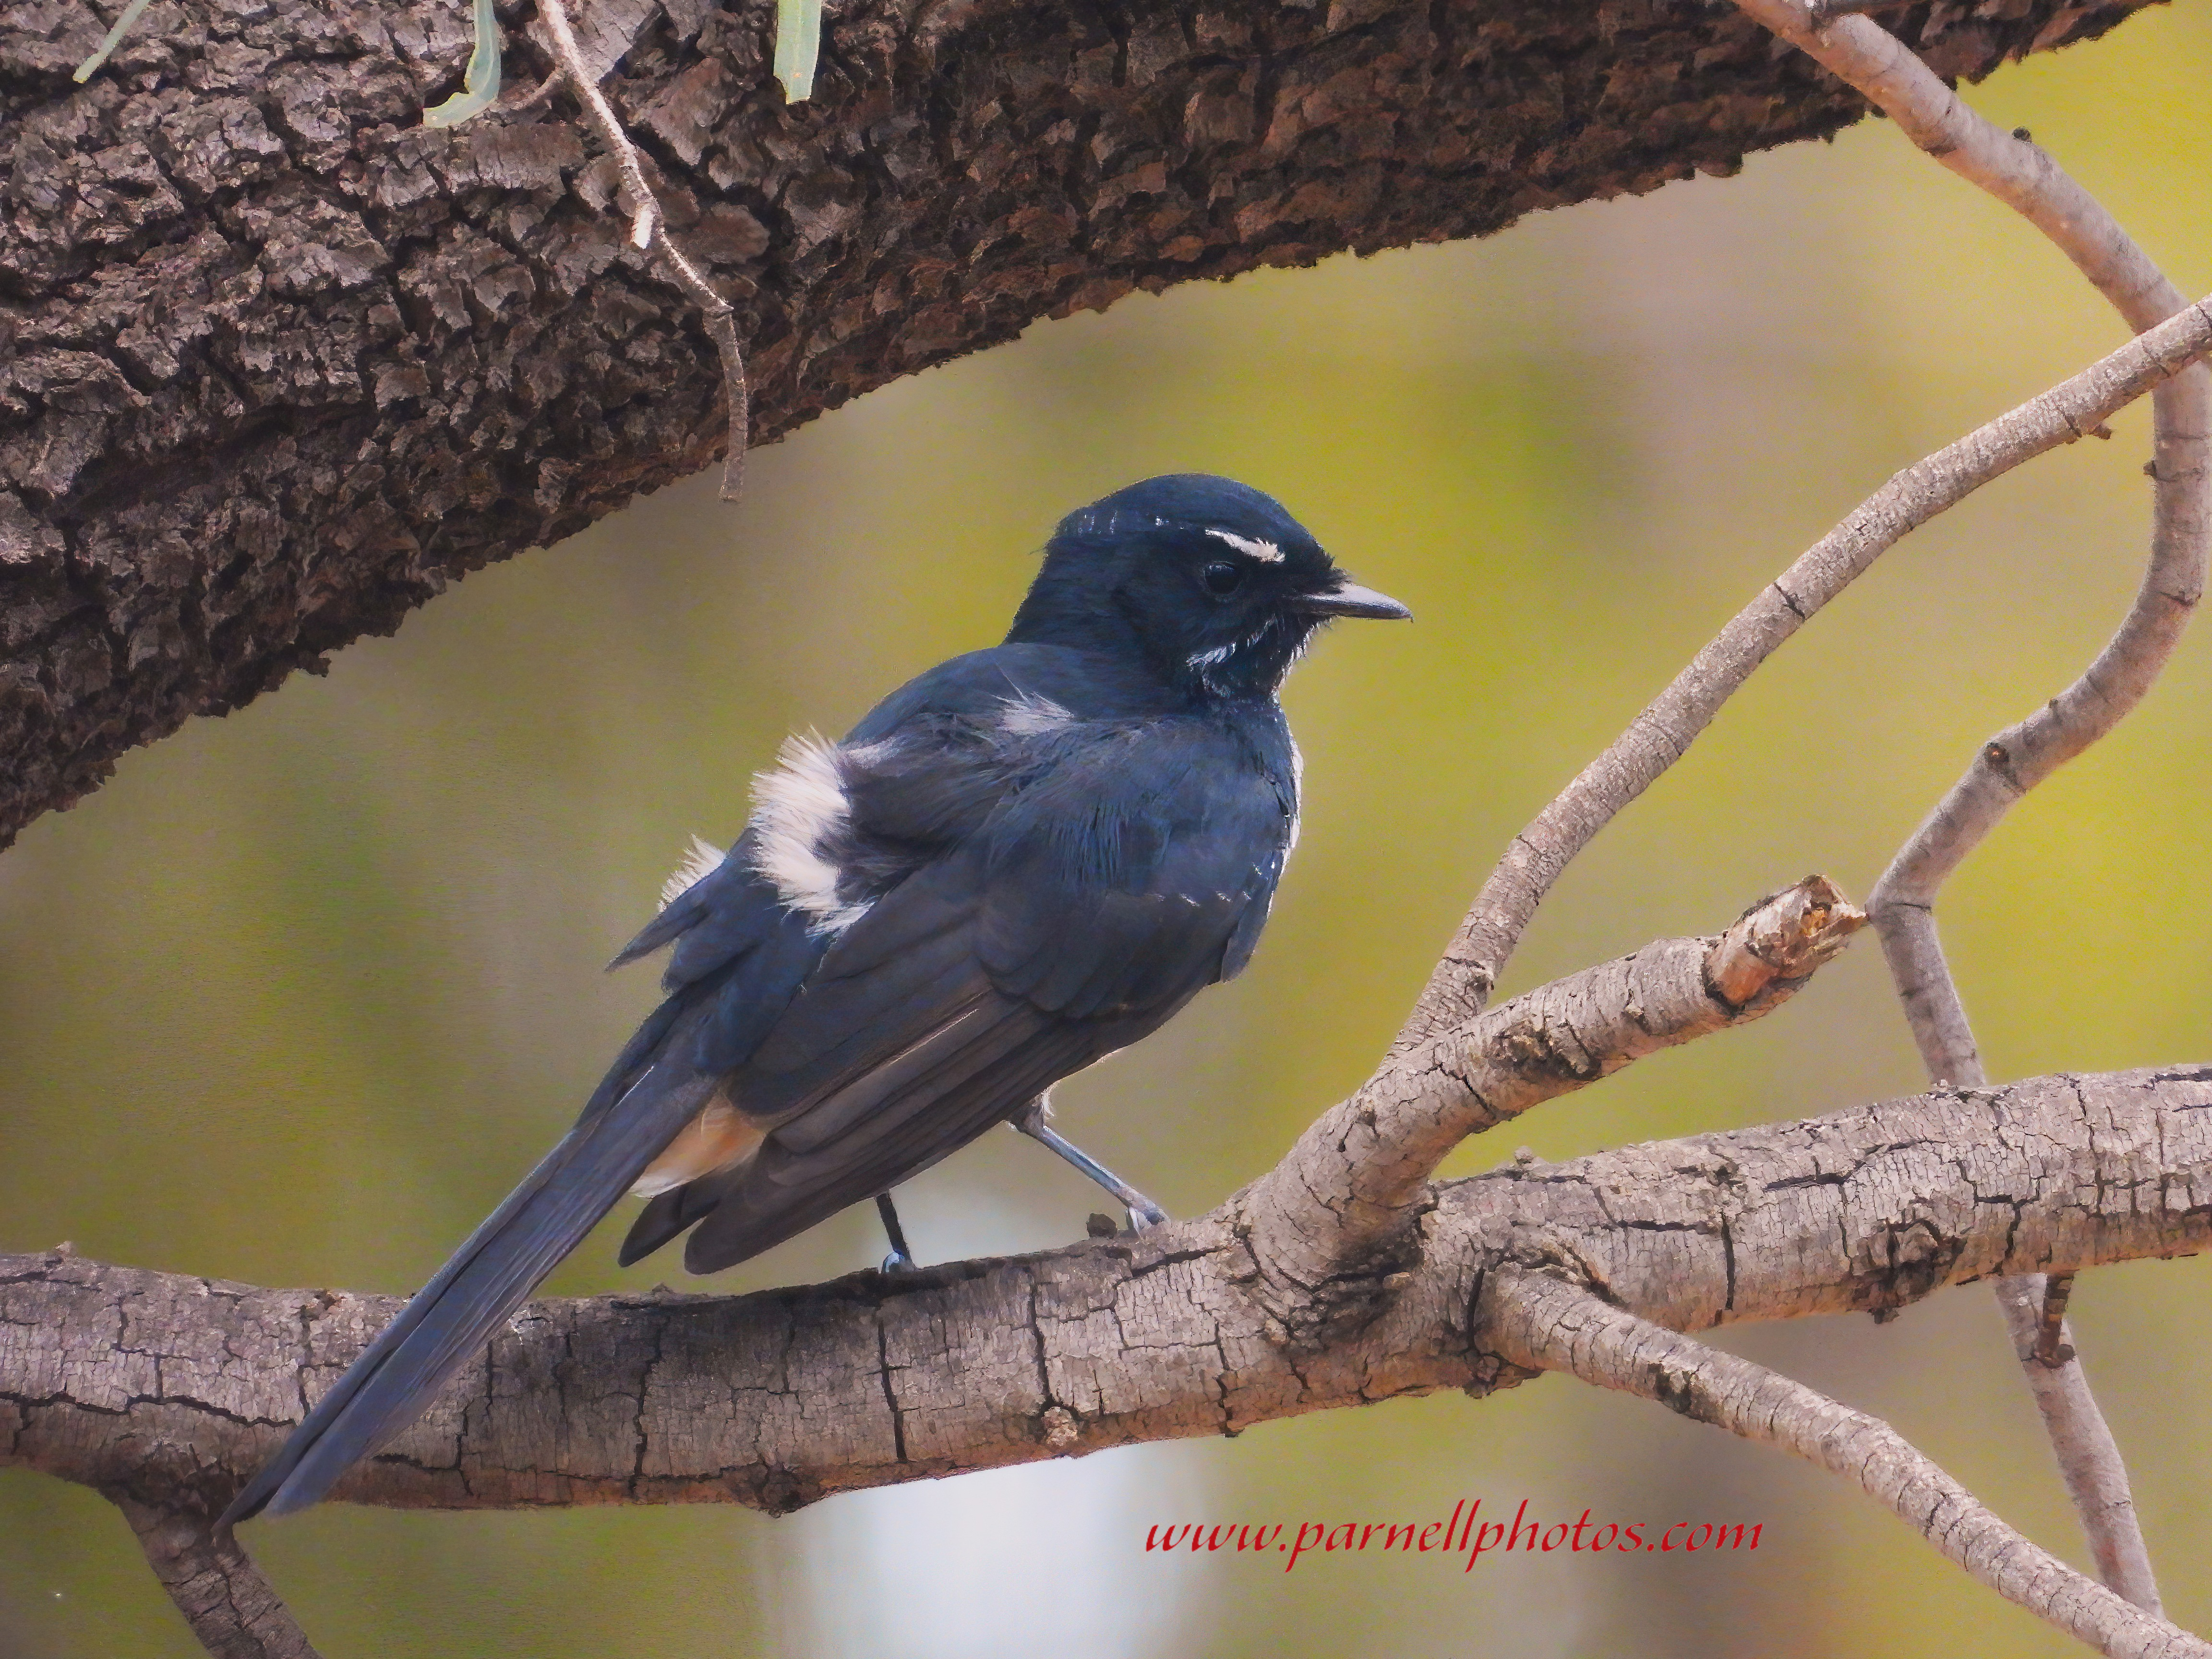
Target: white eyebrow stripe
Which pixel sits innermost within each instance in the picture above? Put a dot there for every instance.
(1266, 550)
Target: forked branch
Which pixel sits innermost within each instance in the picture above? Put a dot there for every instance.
(777, 1398)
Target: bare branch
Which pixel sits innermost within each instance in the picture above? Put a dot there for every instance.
(1326, 1207)
(221, 1594)
(777, 1398)
(648, 227)
(1545, 1323)
(2089, 1459)
(2024, 177)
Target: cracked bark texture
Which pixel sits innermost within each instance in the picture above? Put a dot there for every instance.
(277, 362)
(170, 1390)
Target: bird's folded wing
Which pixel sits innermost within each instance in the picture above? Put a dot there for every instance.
(1122, 882)
(1091, 906)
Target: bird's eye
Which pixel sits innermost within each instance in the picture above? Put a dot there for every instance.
(1223, 578)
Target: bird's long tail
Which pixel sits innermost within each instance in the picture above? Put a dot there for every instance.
(450, 1318)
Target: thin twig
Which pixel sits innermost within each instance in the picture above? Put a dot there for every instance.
(108, 42)
(1543, 1323)
(1463, 981)
(648, 230)
(224, 1598)
(1326, 1206)
(2023, 176)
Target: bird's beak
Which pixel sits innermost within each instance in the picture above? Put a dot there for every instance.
(1351, 600)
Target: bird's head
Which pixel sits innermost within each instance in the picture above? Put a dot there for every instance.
(1212, 583)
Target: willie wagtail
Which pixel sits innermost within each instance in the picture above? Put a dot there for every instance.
(1026, 859)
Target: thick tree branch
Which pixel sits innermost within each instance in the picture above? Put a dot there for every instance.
(1547, 1323)
(777, 1398)
(1328, 1206)
(277, 362)
(2010, 167)
(1569, 1033)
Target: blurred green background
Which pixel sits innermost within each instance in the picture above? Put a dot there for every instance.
(297, 996)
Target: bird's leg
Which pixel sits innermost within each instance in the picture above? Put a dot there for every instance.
(901, 1260)
(1143, 1212)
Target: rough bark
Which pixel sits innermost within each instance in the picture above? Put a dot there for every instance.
(276, 362)
(172, 1389)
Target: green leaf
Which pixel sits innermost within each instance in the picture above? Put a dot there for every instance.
(798, 45)
(480, 90)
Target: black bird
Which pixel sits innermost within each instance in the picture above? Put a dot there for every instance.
(1028, 858)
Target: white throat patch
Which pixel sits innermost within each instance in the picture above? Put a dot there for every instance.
(799, 810)
(1266, 552)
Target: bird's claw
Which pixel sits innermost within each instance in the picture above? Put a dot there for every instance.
(1144, 1214)
(1143, 1217)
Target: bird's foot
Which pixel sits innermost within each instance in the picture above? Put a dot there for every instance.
(1140, 1221)
(901, 1260)
(1144, 1214)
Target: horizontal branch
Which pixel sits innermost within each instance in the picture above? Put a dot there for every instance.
(776, 1399)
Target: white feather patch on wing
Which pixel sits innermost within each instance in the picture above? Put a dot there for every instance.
(1029, 715)
(1266, 552)
(799, 810)
(701, 859)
